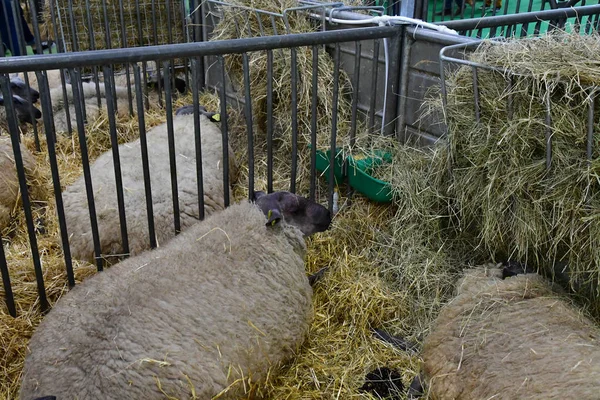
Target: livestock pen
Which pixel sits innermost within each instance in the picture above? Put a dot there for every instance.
(290, 82)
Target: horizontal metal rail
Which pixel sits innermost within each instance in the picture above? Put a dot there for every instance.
(521, 18)
(165, 52)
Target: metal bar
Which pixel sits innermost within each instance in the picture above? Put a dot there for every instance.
(144, 150)
(107, 39)
(124, 44)
(90, 26)
(198, 137)
(294, 83)
(210, 48)
(169, 22)
(15, 136)
(334, 118)
(51, 145)
(172, 155)
(355, 91)
(111, 106)
(313, 121)
(86, 173)
(8, 293)
(373, 102)
(534, 16)
(402, 101)
(269, 121)
(393, 81)
(248, 109)
(225, 133)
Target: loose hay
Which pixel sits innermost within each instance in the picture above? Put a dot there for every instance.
(503, 193)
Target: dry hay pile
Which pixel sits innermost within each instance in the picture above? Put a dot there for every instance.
(135, 35)
(235, 23)
(502, 192)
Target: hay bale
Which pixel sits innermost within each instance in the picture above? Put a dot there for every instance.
(234, 23)
(503, 194)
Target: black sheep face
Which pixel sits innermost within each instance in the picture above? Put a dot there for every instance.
(19, 88)
(24, 109)
(306, 215)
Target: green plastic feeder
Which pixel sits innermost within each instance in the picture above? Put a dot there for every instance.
(358, 173)
(359, 170)
(323, 162)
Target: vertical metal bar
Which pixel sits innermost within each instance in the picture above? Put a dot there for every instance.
(225, 133)
(144, 150)
(548, 131)
(313, 122)
(356, 87)
(154, 25)
(86, 172)
(90, 26)
(334, 118)
(51, 145)
(15, 136)
(8, 293)
(269, 121)
(124, 45)
(107, 39)
(590, 125)
(36, 27)
(294, 83)
(172, 155)
(404, 68)
(139, 24)
(476, 95)
(110, 104)
(169, 22)
(248, 110)
(375, 69)
(393, 81)
(197, 135)
(61, 49)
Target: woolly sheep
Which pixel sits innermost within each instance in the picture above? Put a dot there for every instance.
(219, 304)
(511, 339)
(10, 194)
(105, 197)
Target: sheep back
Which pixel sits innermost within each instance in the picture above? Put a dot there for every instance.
(10, 194)
(221, 302)
(509, 339)
(105, 194)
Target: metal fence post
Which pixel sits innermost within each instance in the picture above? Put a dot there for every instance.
(393, 79)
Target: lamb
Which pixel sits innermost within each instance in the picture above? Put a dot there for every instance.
(511, 339)
(24, 110)
(216, 307)
(105, 197)
(10, 195)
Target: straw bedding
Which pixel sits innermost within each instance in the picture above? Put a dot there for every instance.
(391, 267)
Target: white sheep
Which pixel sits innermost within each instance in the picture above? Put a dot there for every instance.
(511, 339)
(105, 195)
(10, 194)
(213, 309)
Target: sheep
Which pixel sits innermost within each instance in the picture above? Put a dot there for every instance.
(515, 338)
(10, 195)
(24, 110)
(103, 181)
(214, 308)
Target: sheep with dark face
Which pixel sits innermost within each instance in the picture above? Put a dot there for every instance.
(23, 98)
(216, 306)
(512, 338)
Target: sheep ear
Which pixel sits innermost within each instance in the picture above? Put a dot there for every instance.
(273, 217)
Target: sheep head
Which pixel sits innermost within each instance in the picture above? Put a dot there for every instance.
(306, 215)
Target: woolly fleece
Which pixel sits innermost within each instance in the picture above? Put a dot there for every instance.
(225, 299)
(105, 193)
(511, 339)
